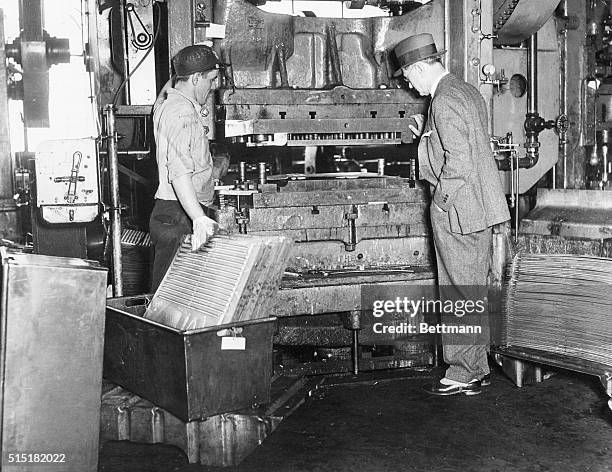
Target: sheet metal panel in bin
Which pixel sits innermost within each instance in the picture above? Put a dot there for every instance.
(192, 374)
(52, 330)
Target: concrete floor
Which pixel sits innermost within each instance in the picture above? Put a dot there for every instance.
(562, 424)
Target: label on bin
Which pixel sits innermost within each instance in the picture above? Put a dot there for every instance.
(233, 342)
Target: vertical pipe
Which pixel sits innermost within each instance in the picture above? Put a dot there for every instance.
(605, 138)
(31, 15)
(126, 53)
(262, 173)
(242, 172)
(355, 351)
(531, 119)
(532, 70)
(113, 169)
(6, 159)
(517, 201)
(563, 99)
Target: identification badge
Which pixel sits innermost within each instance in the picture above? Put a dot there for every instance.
(236, 343)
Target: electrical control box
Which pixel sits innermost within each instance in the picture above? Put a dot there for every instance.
(67, 184)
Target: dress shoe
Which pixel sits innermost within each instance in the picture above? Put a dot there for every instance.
(445, 387)
(486, 380)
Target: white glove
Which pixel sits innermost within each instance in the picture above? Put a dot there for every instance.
(203, 229)
(420, 121)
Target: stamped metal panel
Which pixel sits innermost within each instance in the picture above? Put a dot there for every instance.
(571, 213)
(52, 338)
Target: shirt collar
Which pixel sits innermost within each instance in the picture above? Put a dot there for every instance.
(196, 105)
(434, 86)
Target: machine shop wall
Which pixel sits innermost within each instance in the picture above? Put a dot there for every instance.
(509, 111)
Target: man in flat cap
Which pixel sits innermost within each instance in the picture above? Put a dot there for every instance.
(468, 199)
(185, 166)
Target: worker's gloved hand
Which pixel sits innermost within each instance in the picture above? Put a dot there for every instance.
(203, 229)
(420, 123)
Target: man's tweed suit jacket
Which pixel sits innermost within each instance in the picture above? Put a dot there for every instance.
(455, 158)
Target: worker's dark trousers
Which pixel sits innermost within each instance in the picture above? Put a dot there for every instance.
(168, 225)
(463, 263)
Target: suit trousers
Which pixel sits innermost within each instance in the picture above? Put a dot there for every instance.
(463, 262)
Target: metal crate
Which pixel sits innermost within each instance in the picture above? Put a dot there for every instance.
(51, 362)
(192, 374)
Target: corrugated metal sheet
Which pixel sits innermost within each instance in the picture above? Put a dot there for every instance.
(561, 303)
(232, 278)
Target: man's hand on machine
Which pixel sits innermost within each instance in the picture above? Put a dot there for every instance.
(203, 229)
(420, 124)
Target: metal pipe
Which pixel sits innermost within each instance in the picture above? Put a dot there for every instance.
(355, 351)
(126, 61)
(533, 122)
(32, 20)
(532, 71)
(115, 210)
(517, 204)
(6, 160)
(563, 98)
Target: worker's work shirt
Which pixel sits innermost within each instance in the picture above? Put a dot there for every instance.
(182, 147)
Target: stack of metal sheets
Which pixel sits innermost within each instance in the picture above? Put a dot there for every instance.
(561, 304)
(135, 251)
(232, 278)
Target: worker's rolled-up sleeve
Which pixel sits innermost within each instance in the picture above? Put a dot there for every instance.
(179, 143)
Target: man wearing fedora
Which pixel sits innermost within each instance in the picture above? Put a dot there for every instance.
(467, 196)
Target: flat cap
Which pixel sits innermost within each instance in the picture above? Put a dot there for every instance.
(196, 58)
